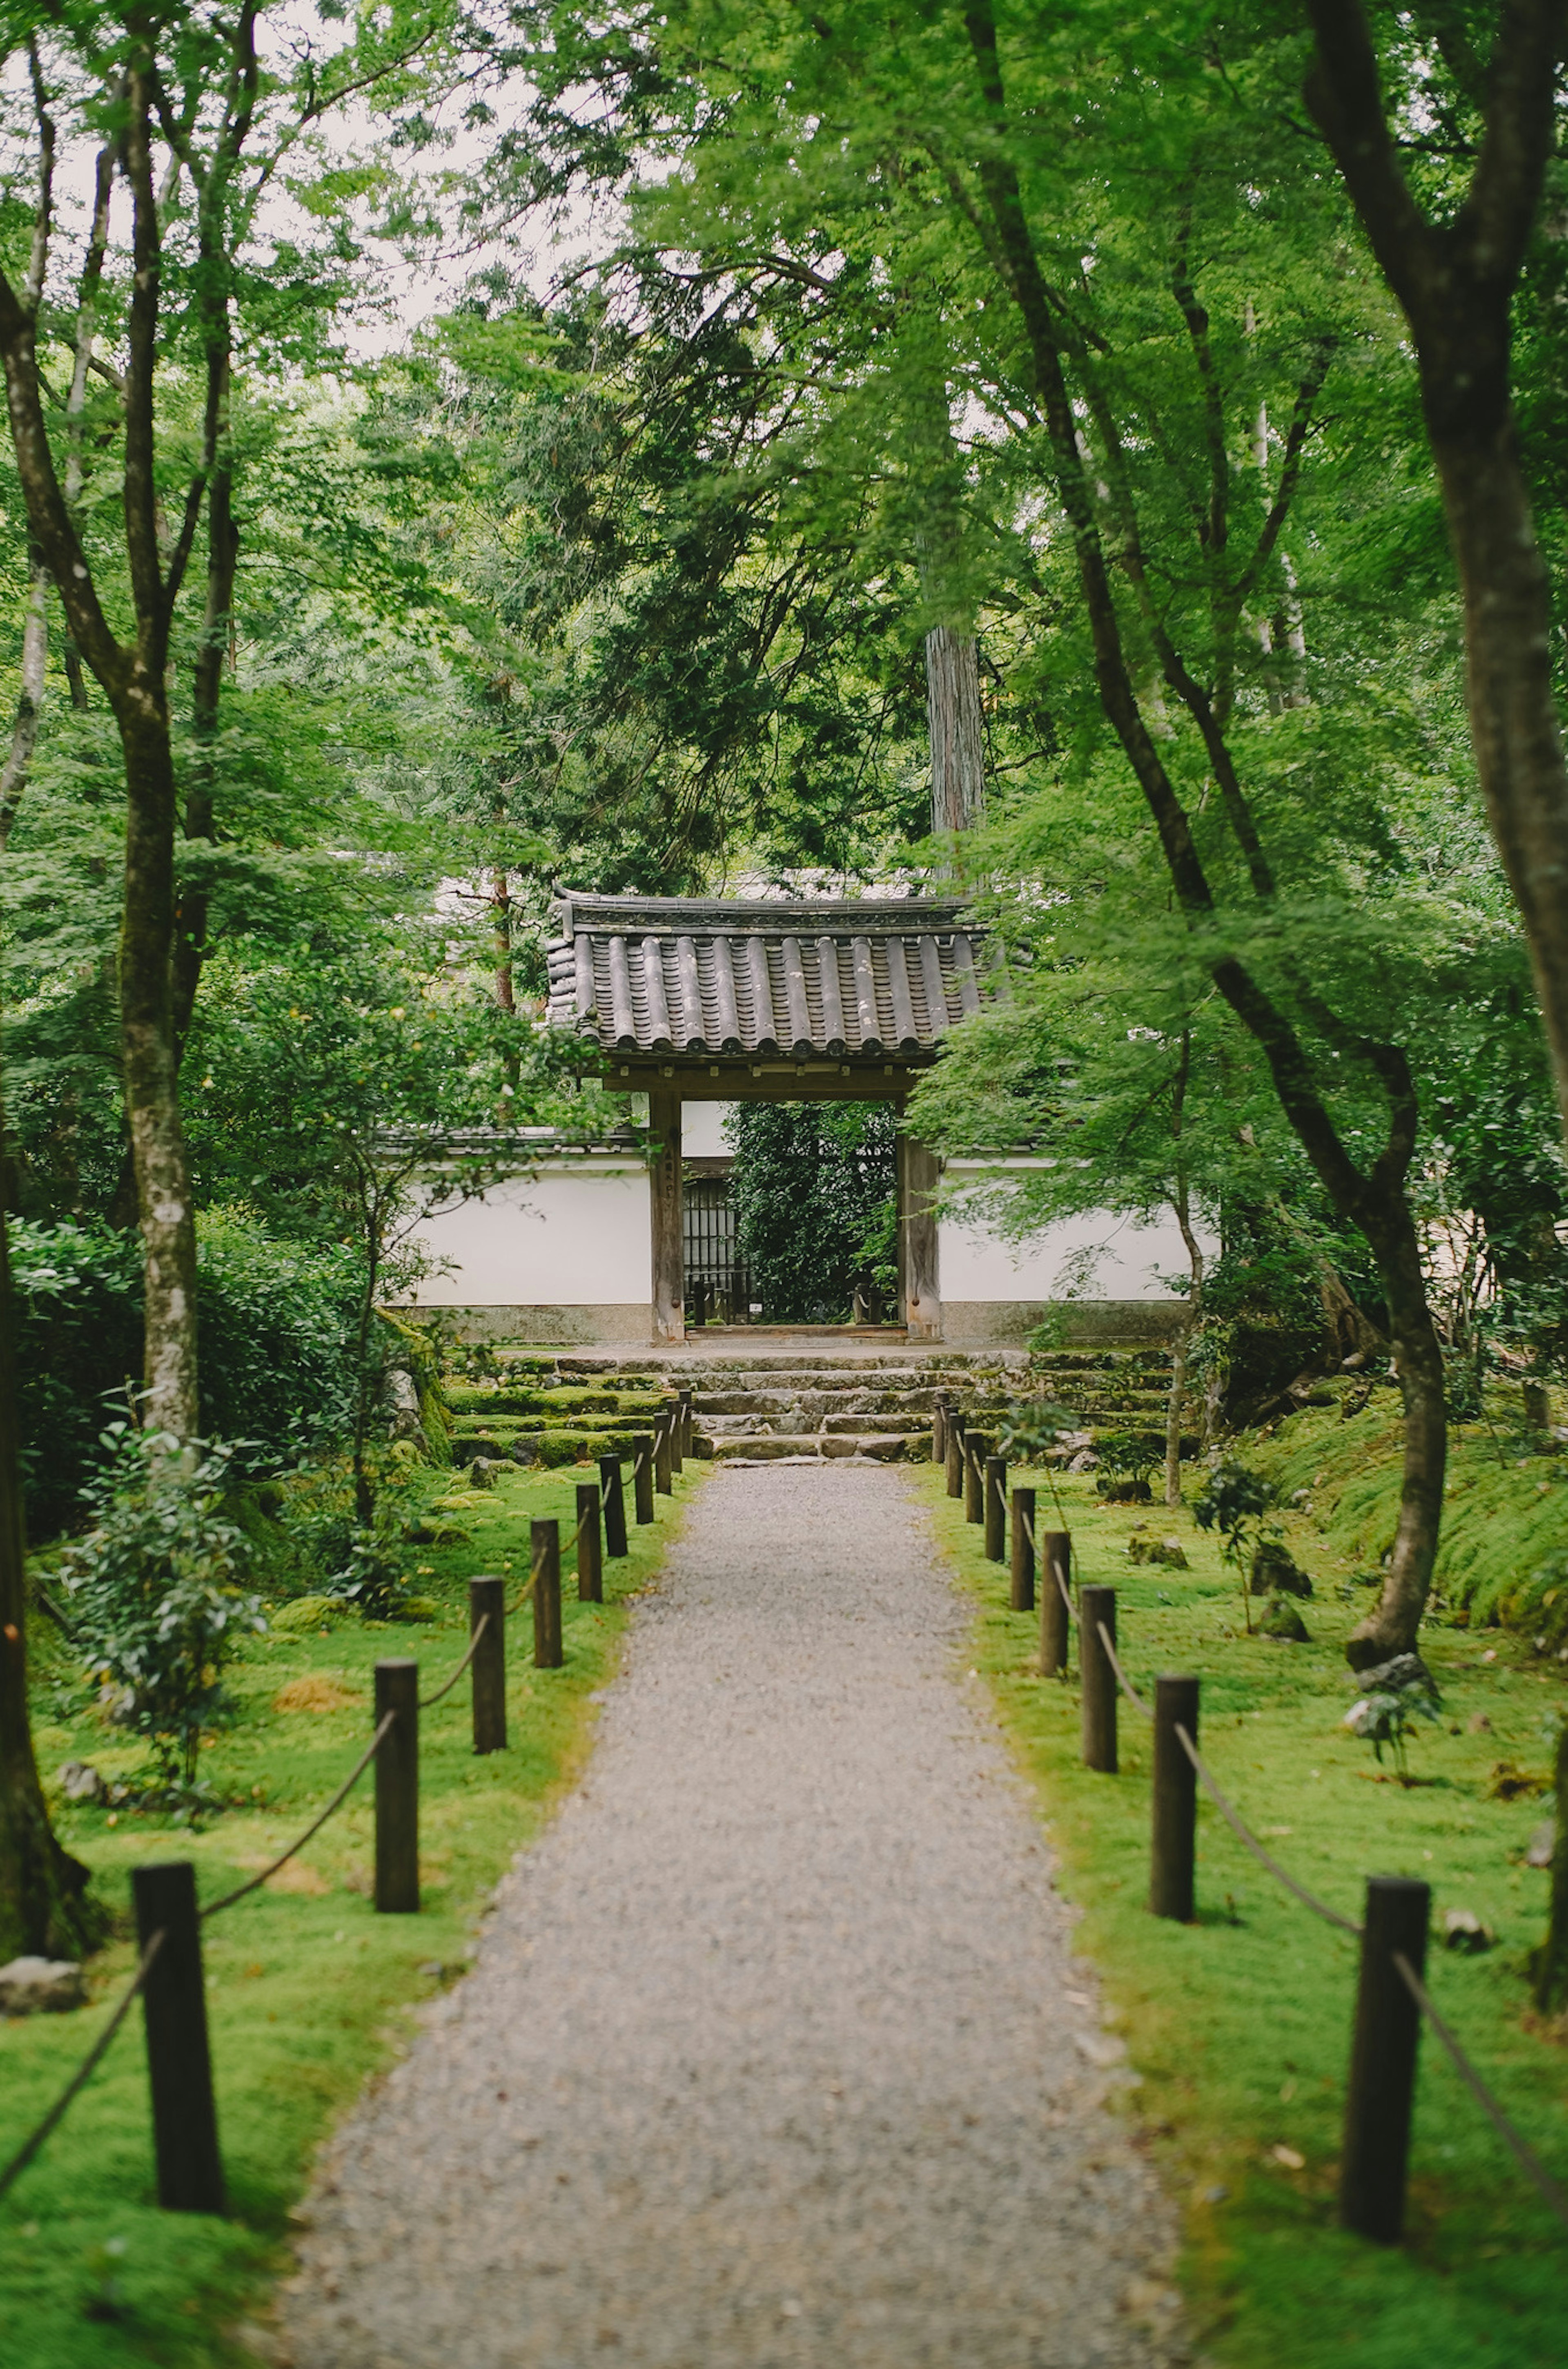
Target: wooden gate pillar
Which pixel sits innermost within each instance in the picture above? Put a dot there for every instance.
(668, 1263)
(918, 1179)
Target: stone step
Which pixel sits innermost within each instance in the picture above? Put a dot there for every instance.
(881, 1447)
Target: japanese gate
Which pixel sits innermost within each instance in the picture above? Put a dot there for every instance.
(703, 1000)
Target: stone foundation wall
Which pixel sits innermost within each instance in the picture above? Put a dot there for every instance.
(1085, 1324)
(583, 1325)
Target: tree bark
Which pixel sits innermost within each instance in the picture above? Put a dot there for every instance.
(957, 734)
(201, 806)
(151, 1063)
(30, 698)
(43, 1906)
(1457, 283)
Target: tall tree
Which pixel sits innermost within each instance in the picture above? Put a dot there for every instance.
(1455, 265)
(171, 99)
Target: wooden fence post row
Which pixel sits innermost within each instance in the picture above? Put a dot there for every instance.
(996, 1508)
(179, 2062)
(642, 1476)
(1022, 1572)
(398, 1789)
(1173, 1846)
(590, 1549)
(488, 1602)
(1097, 1608)
(546, 1563)
(977, 1447)
(614, 1506)
(953, 1436)
(1381, 2093)
(1056, 1574)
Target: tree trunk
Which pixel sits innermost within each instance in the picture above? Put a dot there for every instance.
(1549, 1964)
(1513, 714)
(1456, 279)
(958, 736)
(1375, 1201)
(200, 806)
(1174, 1417)
(29, 699)
(1392, 1626)
(151, 1061)
(43, 1908)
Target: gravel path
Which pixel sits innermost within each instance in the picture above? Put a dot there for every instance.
(775, 2052)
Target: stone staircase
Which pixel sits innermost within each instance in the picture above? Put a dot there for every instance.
(848, 1400)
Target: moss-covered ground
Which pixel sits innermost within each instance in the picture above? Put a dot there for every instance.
(309, 1989)
(1239, 2023)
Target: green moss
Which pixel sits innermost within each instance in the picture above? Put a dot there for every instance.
(310, 1989)
(1503, 1551)
(1240, 2024)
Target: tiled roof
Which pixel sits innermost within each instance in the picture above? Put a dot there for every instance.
(874, 978)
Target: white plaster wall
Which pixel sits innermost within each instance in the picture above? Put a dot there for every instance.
(578, 1233)
(702, 1131)
(974, 1264)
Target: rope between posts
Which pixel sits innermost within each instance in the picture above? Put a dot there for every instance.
(1121, 1677)
(341, 1795)
(1549, 2189)
(1243, 1833)
(427, 1702)
(85, 2071)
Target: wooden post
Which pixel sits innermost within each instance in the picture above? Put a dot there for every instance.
(977, 1447)
(685, 1424)
(663, 1454)
(996, 1508)
(919, 1179)
(615, 1498)
(642, 1475)
(1023, 1571)
(954, 1428)
(939, 1430)
(488, 1602)
(548, 1653)
(591, 1554)
(664, 1180)
(675, 1424)
(179, 2062)
(1174, 1834)
(397, 1789)
(1382, 2060)
(1056, 1574)
(1097, 1606)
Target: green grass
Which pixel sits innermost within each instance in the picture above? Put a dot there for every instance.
(1239, 2023)
(309, 1989)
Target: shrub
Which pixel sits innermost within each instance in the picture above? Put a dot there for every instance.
(275, 1339)
(155, 1593)
(1233, 1500)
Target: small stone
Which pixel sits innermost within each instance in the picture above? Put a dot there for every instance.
(1290, 2158)
(1463, 1931)
(1478, 1724)
(1281, 1620)
(1542, 1843)
(41, 1987)
(80, 1782)
(1100, 2049)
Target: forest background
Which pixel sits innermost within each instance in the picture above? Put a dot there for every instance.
(951, 436)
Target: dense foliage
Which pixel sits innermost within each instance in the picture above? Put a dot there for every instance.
(812, 1187)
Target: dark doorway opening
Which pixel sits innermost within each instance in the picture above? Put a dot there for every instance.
(812, 1190)
(719, 1288)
